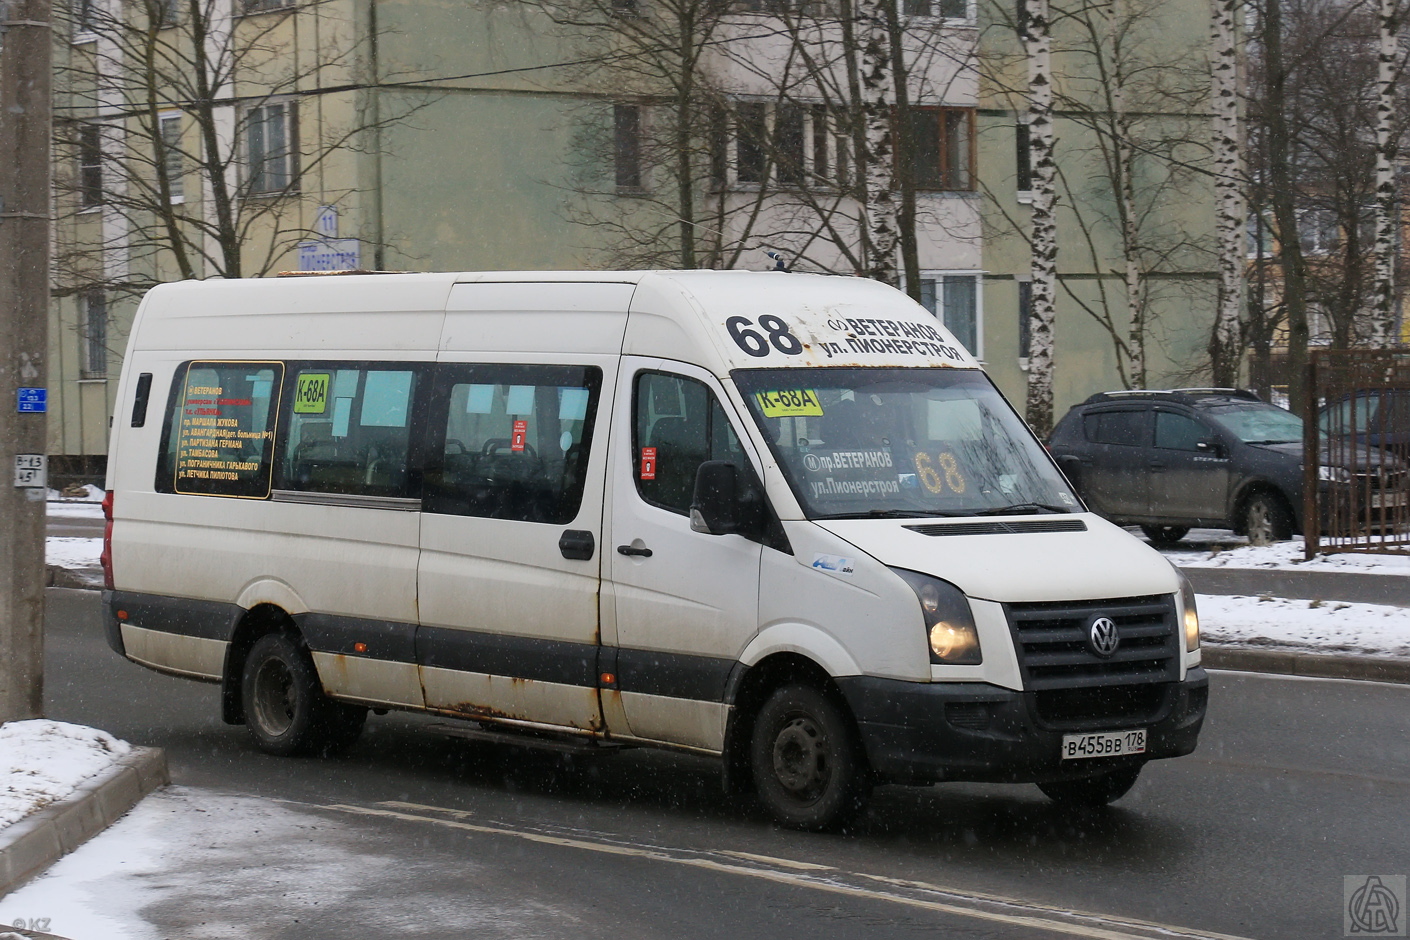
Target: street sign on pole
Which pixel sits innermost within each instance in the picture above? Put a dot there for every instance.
(32, 400)
(31, 471)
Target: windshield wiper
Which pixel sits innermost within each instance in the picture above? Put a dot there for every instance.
(889, 514)
(1017, 509)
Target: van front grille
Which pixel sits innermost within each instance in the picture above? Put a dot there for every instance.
(1070, 708)
(1053, 650)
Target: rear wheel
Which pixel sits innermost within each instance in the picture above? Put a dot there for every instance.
(286, 711)
(1165, 534)
(1266, 519)
(807, 763)
(1092, 791)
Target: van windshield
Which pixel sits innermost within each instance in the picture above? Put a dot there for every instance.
(861, 443)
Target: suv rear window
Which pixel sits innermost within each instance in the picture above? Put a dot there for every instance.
(1115, 427)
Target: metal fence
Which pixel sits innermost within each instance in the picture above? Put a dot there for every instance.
(1356, 489)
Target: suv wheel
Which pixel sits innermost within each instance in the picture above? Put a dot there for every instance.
(1266, 519)
(1163, 535)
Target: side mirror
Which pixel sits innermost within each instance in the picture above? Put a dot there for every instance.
(726, 501)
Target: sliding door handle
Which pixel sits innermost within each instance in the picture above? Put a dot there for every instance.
(633, 550)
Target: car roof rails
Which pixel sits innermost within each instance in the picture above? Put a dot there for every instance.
(1177, 393)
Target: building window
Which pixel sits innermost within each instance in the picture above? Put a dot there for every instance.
(719, 145)
(789, 143)
(1025, 313)
(949, 9)
(172, 162)
(942, 143)
(269, 133)
(164, 13)
(95, 335)
(751, 151)
(85, 16)
(820, 139)
(259, 6)
(954, 300)
(90, 165)
(626, 145)
(1023, 157)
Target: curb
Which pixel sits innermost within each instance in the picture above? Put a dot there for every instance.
(42, 838)
(1310, 665)
(84, 579)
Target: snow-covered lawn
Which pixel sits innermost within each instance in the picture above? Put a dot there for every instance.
(42, 762)
(74, 510)
(1326, 627)
(1284, 555)
(73, 552)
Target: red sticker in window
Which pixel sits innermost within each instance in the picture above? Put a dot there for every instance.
(648, 463)
(516, 439)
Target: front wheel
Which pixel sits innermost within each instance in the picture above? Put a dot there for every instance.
(807, 764)
(286, 711)
(1266, 519)
(1091, 791)
(1165, 535)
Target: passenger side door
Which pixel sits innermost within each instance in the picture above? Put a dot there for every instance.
(1115, 478)
(684, 604)
(1189, 470)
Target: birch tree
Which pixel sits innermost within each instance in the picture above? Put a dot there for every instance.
(1225, 348)
(1384, 316)
(879, 157)
(1038, 51)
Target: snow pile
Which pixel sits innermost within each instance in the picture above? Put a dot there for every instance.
(43, 762)
(1328, 627)
(1289, 556)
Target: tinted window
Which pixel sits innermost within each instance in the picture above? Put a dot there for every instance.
(679, 425)
(1178, 432)
(1257, 423)
(349, 430)
(511, 442)
(1116, 427)
(218, 439)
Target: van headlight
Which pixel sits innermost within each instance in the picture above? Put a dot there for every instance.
(1191, 615)
(949, 622)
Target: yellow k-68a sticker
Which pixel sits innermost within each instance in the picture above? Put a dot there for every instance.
(789, 403)
(311, 396)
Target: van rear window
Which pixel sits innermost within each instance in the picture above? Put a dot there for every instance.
(218, 437)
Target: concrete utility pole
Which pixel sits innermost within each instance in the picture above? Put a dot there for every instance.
(25, 122)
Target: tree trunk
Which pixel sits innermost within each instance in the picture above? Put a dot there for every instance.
(1225, 344)
(877, 88)
(1290, 260)
(1383, 325)
(1044, 236)
(905, 151)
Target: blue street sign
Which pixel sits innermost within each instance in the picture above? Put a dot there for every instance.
(34, 400)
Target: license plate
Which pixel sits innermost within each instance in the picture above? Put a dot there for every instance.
(1103, 744)
(1379, 500)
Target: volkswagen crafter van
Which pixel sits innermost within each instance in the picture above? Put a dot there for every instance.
(782, 519)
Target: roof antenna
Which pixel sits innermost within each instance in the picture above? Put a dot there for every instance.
(779, 263)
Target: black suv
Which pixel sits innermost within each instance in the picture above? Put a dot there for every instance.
(1171, 460)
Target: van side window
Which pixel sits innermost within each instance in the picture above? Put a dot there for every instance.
(1117, 427)
(678, 426)
(218, 435)
(511, 441)
(349, 430)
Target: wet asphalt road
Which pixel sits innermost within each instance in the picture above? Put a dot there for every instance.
(1296, 784)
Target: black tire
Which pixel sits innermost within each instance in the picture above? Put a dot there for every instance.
(1165, 535)
(1267, 519)
(286, 711)
(1092, 791)
(807, 764)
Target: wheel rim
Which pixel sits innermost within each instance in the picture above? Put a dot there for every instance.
(275, 697)
(1260, 523)
(802, 758)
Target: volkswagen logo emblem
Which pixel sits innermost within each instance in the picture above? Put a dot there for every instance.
(1102, 638)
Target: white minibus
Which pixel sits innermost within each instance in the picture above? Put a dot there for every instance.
(781, 519)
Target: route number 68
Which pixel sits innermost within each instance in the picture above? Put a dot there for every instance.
(754, 344)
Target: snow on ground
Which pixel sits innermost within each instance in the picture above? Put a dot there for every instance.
(72, 552)
(1327, 627)
(74, 509)
(42, 762)
(205, 865)
(1286, 556)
